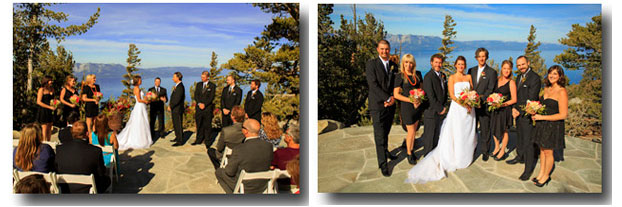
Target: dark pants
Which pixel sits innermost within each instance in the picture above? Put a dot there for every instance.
(226, 119)
(226, 182)
(382, 120)
(431, 132)
(525, 148)
(177, 114)
(156, 113)
(483, 141)
(204, 127)
(211, 152)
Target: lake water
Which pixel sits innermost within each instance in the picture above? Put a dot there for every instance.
(423, 60)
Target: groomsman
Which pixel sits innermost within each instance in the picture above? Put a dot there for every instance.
(528, 88)
(204, 93)
(177, 107)
(380, 74)
(231, 96)
(484, 82)
(156, 108)
(254, 101)
(435, 88)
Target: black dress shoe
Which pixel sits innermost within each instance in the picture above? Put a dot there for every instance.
(411, 159)
(525, 176)
(390, 156)
(485, 157)
(385, 170)
(176, 144)
(513, 161)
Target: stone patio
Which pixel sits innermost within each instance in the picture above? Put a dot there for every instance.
(347, 164)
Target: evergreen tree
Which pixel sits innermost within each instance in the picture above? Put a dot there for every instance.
(535, 61)
(448, 35)
(216, 78)
(132, 62)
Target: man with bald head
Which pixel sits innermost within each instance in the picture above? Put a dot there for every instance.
(253, 155)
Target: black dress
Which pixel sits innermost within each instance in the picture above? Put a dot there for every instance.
(501, 118)
(409, 114)
(44, 115)
(90, 107)
(549, 134)
(67, 109)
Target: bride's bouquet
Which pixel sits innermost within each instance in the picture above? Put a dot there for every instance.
(494, 101)
(151, 96)
(534, 107)
(417, 94)
(75, 99)
(469, 98)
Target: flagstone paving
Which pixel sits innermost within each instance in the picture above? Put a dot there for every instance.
(347, 163)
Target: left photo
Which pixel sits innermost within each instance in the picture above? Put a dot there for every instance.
(156, 98)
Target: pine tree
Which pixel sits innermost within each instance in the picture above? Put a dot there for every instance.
(216, 78)
(535, 61)
(132, 62)
(448, 35)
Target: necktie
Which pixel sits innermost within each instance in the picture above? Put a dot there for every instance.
(386, 67)
(158, 90)
(441, 78)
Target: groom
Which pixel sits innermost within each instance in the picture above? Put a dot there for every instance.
(484, 82)
(156, 108)
(435, 88)
(177, 108)
(380, 78)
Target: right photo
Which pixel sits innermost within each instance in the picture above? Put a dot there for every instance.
(459, 98)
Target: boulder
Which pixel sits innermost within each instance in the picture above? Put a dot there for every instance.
(327, 125)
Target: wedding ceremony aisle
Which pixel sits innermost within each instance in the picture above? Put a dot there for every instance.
(347, 163)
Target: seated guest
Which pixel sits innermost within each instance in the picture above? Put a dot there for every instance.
(32, 184)
(271, 131)
(31, 154)
(253, 155)
(293, 168)
(230, 136)
(79, 157)
(64, 134)
(104, 136)
(284, 155)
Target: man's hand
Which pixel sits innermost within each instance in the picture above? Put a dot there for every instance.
(225, 111)
(444, 111)
(201, 106)
(162, 99)
(515, 113)
(390, 103)
(168, 108)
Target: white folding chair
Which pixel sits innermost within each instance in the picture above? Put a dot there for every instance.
(49, 177)
(278, 174)
(225, 154)
(264, 175)
(78, 179)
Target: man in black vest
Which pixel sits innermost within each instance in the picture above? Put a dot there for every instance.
(380, 74)
(528, 86)
(204, 93)
(435, 88)
(484, 82)
(231, 96)
(156, 108)
(254, 101)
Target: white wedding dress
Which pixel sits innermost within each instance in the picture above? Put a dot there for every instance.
(136, 134)
(456, 144)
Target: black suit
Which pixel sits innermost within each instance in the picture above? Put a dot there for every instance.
(79, 157)
(484, 87)
(156, 110)
(204, 93)
(380, 82)
(178, 95)
(435, 89)
(253, 104)
(254, 155)
(64, 135)
(526, 90)
(228, 99)
(230, 136)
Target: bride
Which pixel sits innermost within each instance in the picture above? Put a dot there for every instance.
(136, 134)
(457, 138)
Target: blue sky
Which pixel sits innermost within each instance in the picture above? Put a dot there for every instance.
(166, 34)
(506, 22)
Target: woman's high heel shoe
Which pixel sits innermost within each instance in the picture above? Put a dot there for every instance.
(502, 157)
(534, 179)
(543, 184)
(411, 159)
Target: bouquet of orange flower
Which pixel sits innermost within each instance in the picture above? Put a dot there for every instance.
(417, 94)
(75, 99)
(534, 107)
(98, 95)
(469, 98)
(494, 101)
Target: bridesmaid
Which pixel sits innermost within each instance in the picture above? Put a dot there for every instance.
(408, 79)
(549, 134)
(92, 104)
(44, 115)
(501, 119)
(69, 89)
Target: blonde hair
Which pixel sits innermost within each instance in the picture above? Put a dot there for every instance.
(28, 147)
(411, 58)
(271, 125)
(89, 78)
